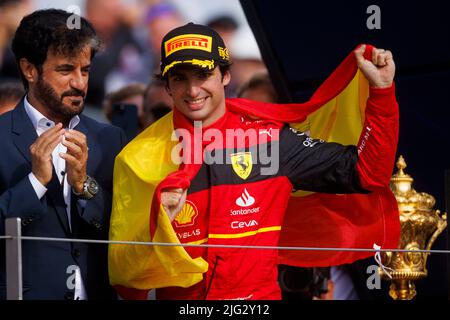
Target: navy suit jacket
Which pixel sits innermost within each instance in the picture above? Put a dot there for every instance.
(48, 267)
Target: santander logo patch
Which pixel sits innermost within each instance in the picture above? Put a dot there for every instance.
(245, 200)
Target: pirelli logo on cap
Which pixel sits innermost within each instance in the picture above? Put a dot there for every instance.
(188, 41)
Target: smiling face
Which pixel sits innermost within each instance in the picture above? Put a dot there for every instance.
(59, 89)
(198, 93)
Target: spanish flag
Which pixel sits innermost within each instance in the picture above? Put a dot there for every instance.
(144, 167)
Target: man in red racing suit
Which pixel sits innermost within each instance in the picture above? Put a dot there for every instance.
(230, 201)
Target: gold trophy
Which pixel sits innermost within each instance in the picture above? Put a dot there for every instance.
(420, 226)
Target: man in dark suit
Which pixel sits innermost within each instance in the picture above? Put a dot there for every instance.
(55, 164)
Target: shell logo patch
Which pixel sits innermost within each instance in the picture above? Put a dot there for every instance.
(187, 215)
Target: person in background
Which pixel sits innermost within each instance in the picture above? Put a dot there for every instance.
(136, 106)
(10, 95)
(225, 25)
(160, 18)
(259, 88)
(124, 57)
(11, 12)
(247, 60)
(131, 96)
(157, 102)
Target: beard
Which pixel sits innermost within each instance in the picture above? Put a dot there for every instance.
(54, 103)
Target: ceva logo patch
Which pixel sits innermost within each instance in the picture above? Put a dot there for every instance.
(243, 224)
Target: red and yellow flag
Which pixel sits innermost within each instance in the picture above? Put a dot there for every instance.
(334, 113)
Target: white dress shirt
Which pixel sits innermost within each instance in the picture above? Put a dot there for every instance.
(42, 124)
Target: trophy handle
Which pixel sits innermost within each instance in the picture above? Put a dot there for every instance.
(441, 226)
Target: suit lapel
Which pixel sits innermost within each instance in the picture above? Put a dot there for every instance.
(55, 193)
(24, 135)
(75, 219)
(23, 132)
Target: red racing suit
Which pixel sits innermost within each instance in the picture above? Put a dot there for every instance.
(234, 203)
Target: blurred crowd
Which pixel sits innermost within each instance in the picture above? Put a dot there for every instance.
(123, 71)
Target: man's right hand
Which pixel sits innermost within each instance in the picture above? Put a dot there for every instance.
(173, 201)
(41, 153)
(380, 71)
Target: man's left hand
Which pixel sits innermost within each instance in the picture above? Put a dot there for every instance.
(76, 158)
(380, 71)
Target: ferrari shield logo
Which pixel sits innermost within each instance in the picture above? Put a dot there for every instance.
(242, 164)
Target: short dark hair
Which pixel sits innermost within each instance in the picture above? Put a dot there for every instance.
(45, 30)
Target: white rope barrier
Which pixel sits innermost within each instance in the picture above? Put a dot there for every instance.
(223, 246)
